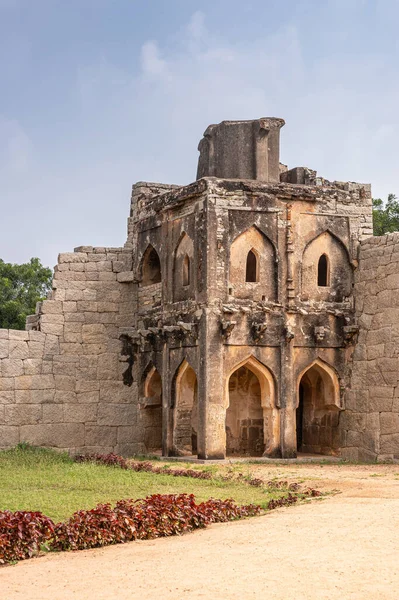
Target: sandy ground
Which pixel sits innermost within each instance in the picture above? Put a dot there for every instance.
(345, 546)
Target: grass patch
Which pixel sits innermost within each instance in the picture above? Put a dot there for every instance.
(40, 479)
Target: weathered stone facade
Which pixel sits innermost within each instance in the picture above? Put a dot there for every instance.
(249, 313)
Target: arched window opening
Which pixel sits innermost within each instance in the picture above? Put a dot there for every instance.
(251, 272)
(323, 271)
(151, 270)
(186, 270)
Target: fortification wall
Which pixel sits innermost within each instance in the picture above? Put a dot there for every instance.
(370, 423)
(62, 385)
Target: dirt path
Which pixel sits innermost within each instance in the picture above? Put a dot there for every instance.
(345, 546)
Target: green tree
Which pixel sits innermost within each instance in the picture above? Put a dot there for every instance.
(385, 216)
(21, 286)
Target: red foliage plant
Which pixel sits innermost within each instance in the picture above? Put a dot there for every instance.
(155, 516)
(22, 533)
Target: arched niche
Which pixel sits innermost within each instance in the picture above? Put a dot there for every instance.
(326, 270)
(252, 271)
(150, 267)
(252, 415)
(151, 408)
(183, 268)
(185, 410)
(318, 407)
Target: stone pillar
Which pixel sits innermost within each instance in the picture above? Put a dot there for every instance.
(288, 395)
(211, 408)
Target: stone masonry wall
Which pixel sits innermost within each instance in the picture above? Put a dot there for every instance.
(370, 423)
(63, 385)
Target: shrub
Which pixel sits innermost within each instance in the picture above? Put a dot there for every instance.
(158, 515)
(100, 526)
(22, 533)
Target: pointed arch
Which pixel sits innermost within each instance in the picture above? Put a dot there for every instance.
(150, 267)
(253, 267)
(152, 385)
(150, 415)
(185, 410)
(317, 409)
(326, 269)
(183, 268)
(252, 415)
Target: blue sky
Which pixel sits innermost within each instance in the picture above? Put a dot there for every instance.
(98, 94)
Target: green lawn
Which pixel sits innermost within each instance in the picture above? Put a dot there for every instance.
(43, 480)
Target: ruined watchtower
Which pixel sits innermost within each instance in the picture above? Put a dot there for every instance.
(250, 313)
(244, 319)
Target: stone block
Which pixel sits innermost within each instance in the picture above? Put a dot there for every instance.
(53, 328)
(36, 336)
(100, 436)
(93, 333)
(117, 414)
(7, 397)
(88, 397)
(42, 396)
(23, 414)
(130, 434)
(107, 307)
(125, 277)
(36, 349)
(34, 382)
(51, 307)
(53, 413)
(116, 392)
(4, 334)
(65, 383)
(9, 436)
(72, 337)
(70, 306)
(59, 435)
(389, 422)
(86, 306)
(12, 367)
(87, 385)
(107, 276)
(80, 413)
(72, 257)
(18, 335)
(389, 444)
(7, 384)
(61, 396)
(71, 348)
(33, 366)
(4, 348)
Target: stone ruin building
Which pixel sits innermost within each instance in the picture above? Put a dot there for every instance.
(249, 313)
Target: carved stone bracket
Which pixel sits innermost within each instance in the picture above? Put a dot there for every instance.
(227, 327)
(259, 329)
(350, 334)
(320, 333)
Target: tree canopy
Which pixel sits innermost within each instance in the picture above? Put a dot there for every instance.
(21, 286)
(385, 215)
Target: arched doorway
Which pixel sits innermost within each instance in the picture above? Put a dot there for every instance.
(318, 407)
(185, 411)
(252, 418)
(151, 413)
